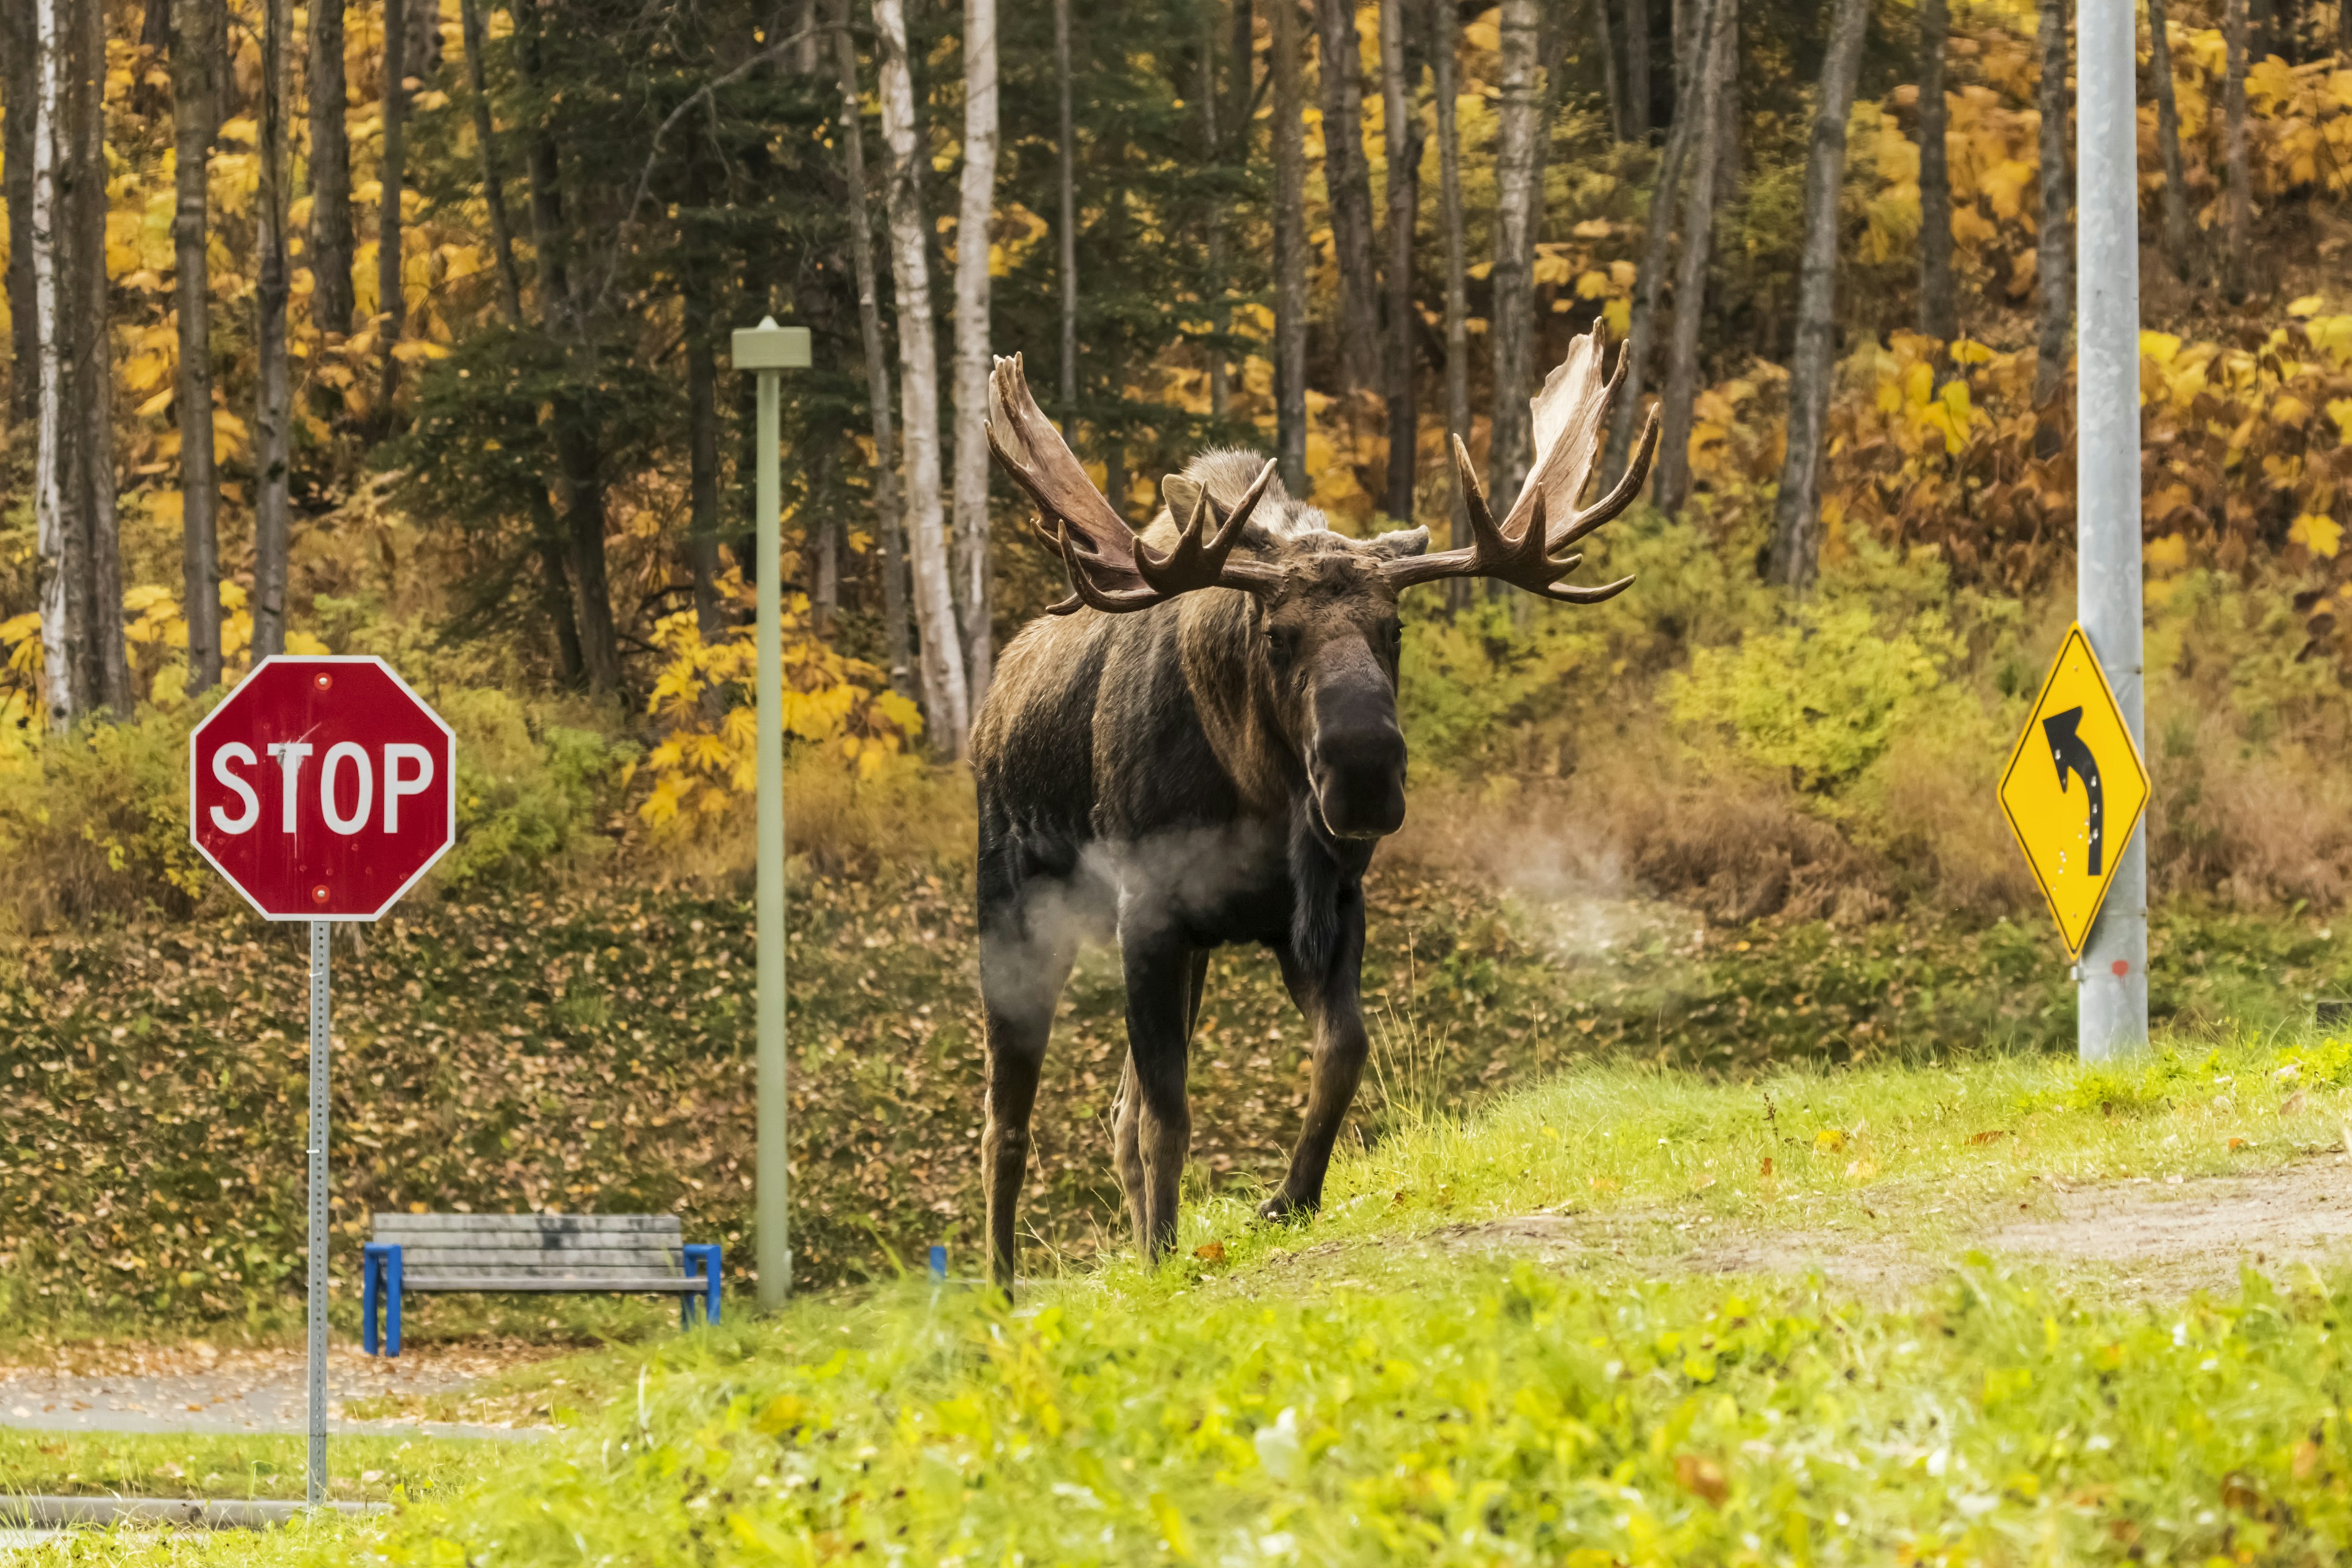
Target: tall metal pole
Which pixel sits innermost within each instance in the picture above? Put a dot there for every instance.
(2111, 1006)
(768, 350)
(317, 1140)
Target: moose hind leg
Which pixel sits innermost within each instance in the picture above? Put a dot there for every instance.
(1158, 965)
(1021, 977)
(1127, 1110)
(1333, 1006)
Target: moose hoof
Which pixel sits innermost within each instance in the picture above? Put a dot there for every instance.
(1284, 1209)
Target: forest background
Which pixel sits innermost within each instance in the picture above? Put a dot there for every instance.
(402, 330)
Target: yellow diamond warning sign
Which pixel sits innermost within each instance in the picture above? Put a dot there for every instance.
(2075, 788)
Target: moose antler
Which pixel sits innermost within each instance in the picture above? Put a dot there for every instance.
(1525, 551)
(1111, 568)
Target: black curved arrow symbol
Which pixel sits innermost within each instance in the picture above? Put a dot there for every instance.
(2070, 754)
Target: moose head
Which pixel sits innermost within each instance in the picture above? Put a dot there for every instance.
(1322, 608)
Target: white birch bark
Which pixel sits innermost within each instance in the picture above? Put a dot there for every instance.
(889, 516)
(946, 698)
(971, 344)
(53, 566)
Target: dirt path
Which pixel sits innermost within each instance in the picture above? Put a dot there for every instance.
(2146, 1236)
(198, 1389)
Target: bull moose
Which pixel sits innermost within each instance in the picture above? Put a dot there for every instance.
(1200, 746)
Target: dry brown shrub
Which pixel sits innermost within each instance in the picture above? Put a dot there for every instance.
(2257, 831)
(1637, 820)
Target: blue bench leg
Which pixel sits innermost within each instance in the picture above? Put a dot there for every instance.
(392, 1292)
(701, 1260)
(368, 1264)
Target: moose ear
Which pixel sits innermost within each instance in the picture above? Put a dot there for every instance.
(1181, 495)
(1398, 545)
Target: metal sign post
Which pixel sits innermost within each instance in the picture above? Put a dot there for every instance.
(2111, 1006)
(321, 789)
(316, 1232)
(769, 349)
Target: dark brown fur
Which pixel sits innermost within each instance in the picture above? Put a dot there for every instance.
(1171, 778)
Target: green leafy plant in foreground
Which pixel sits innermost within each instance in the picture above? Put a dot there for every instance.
(1488, 1416)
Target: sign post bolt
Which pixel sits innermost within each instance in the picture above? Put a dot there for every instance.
(2111, 1008)
(769, 349)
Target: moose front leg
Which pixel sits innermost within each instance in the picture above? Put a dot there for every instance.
(1332, 1004)
(1154, 1120)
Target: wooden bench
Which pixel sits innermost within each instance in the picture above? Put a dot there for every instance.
(628, 1254)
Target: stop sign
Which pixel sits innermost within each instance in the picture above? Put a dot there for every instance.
(322, 787)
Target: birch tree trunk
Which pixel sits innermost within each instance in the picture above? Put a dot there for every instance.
(486, 145)
(1637, 69)
(1666, 201)
(197, 71)
(1671, 486)
(2054, 281)
(972, 346)
(1220, 316)
(1346, 180)
(1446, 37)
(1517, 191)
(19, 95)
(1796, 543)
(701, 408)
(889, 516)
(392, 302)
(580, 479)
(946, 705)
(547, 534)
(56, 564)
(1613, 90)
(271, 511)
(332, 240)
(1939, 309)
(1068, 173)
(2180, 232)
(1289, 253)
(108, 664)
(2239, 213)
(1402, 137)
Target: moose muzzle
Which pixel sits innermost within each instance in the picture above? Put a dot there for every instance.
(1355, 761)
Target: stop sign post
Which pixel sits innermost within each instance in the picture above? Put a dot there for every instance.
(322, 788)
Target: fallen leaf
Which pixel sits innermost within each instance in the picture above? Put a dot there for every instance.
(1990, 1135)
(1210, 1252)
(1830, 1139)
(1701, 1477)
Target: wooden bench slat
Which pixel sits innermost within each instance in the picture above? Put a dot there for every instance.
(582, 1284)
(532, 1247)
(445, 1271)
(524, 1260)
(560, 1223)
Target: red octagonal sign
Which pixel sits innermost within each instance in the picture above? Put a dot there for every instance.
(322, 788)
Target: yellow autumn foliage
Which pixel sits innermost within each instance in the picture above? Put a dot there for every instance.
(703, 699)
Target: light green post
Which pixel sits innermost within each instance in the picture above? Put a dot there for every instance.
(769, 350)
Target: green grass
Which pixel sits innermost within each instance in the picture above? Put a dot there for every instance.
(361, 1469)
(1357, 1392)
(590, 1053)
